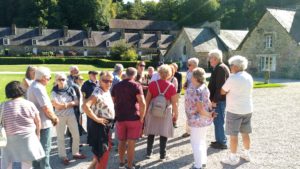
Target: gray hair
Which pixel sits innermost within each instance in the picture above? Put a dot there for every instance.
(240, 61)
(60, 75)
(216, 53)
(41, 72)
(150, 67)
(194, 61)
(118, 68)
(199, 75)
(131, 72)
(73, 67)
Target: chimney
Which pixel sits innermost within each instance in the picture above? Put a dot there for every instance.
(141, 34)
(13, 29)
(158, 34)
(89, 32)
(40, 30)
(122, 34)
(65, 31)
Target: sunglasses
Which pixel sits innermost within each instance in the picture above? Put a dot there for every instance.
(49, 78)
(62, 80)
(142, 65)
(106, 81)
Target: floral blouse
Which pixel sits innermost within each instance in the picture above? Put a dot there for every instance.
(192, 96)
(104, 106)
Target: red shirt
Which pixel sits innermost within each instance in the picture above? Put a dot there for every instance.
(126, 104)
(163, 84)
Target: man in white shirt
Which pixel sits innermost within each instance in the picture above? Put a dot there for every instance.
(239, 107)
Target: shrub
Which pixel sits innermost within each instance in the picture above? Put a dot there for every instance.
(103, 63)
(119, 48)
(130, 55)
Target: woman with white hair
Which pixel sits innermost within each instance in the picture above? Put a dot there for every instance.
(239, 107)
(156, 125)
(192, 64)
(63, 98)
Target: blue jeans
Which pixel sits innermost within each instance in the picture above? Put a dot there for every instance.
(45, 139)
(219, 123)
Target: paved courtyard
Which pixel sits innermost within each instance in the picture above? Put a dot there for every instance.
(275, 138)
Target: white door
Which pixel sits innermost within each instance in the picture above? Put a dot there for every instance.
(85, 53)
(34, 51)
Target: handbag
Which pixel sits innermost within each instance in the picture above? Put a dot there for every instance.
(3, 138)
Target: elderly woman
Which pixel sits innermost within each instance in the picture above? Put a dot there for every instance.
(29, 77)
(197, 105)
(64, 99)
(162, 126)
(239, 107)
(100, 108)
(192, 64)
(22, 125)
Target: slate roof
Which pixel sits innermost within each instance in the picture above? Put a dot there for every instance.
(75, 38)
(149, 25)
(289, 19)
(205, 39)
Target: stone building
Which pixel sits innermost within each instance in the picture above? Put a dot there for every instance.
(274, 44)
(197, 42)
(16, 41)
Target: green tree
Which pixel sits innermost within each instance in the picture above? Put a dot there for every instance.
(193, 12)
(151, 10)
(129, 55)
(168, 10)
(118, 49)
(137, 10)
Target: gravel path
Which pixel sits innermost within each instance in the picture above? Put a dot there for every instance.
(275, 138)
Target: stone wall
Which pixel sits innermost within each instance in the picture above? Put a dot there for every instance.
(285, 48)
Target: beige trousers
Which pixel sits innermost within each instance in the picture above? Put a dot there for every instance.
(71, 122)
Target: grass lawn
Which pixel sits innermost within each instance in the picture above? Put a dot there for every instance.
(52, 67)
(263, 85)
(7, 78)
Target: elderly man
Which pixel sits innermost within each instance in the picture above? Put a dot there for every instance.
(238, 89)
(74, 71)
(118, 70)
(38, 95)
(130, 110)
(218, 77)
(192, 64)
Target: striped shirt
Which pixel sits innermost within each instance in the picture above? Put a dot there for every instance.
(63, 98)
(18, 117)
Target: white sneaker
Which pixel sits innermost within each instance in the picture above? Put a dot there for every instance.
(246, 155)
(231, 160)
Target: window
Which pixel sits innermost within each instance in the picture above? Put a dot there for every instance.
(34, 42)
(107, 43)
(184, 50)
(84, 43)
(268, 63)
(268, 41)
(6, 41)
(61, 43)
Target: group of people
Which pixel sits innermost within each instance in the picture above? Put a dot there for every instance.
(131, 103)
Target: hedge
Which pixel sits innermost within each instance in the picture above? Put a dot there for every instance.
(105, 63)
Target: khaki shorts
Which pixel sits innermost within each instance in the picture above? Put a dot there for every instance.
(238, 123)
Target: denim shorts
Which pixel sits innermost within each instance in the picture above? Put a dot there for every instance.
(238, 123)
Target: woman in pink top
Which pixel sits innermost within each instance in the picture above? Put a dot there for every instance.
(21, 121)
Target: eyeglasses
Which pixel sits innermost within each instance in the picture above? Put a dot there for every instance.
(61, 80)
(189, 65)
(142, 65)
(49, 78)
(106, 81)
